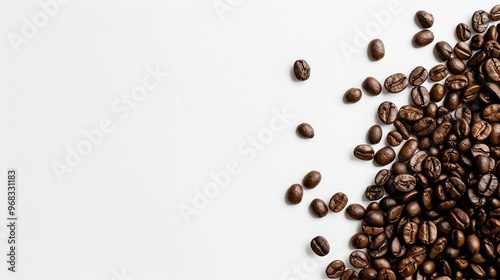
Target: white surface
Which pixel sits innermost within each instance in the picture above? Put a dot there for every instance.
(118, 211)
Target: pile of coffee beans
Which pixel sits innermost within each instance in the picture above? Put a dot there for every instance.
(435, 214)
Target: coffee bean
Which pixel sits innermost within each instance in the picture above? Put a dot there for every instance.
(476, 42)
(487, 185)
(376, 50)
(492, 69)
(368, 274)
(407, 267)
(305, 130)
(418, 76)
(360, 240)
(320, 246)
(491, 113)
(443, 50)
(318, 208)
(386, 274)
(312, 179)
(480, 21)
(476, 271)
(394, 138)
(452, 99)
(441, 132)
(294, 194)
(374, 134)
(372, 86)
(459, 219)
(417, 160)
(364, 152)
(495, 13)
(302, 70)
(352, 95)
(408, 150)
(338, 202)
(335, 269)
(438, 72)
(349, 274)
(481, 130)
(374, 192)
(455, 65)
(462, 50)
(437, 92)
(427, 233)
(463, 32)
(432, 167)
(410, 113)
(423, 38)
(491, 34)
(420, 96)
(396, 83)
(402, 129)
(482, 164)
(472, 244)
(384, 156)
(387, 112)
(424, 127)
(409, 233)
(357, 211)
(358, 259)
(375, 218)
(424, 19)
(492, 48)
(456, 82)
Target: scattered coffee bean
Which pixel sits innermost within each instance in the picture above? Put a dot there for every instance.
(480, 20)
(394, 138)
(423, 38)
(462, 50)
(372, 86)
(376, 50)
(320, 246)
(384, 156)
(374, 192)
(495, 13)
(396, 83)
(358, 259)
(420, 96)
(356, 211)
(443, 50)
(352, 95)
(318, 208)
(463, 32)
(312, 179)
(438, 72)
(374, 134)
(338, 202)
(302, 70)
(403, 130)
(294, 194)
(418, 76)
(305, 130)
(364, 152)
(387, 112)
(424, 19)
(335, 269)
(349, 274)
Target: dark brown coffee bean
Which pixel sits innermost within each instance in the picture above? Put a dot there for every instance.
(459, 219)
(477, 59)
(462, 50)
(382, 177)
(487, 185)
(457, 238)
(481, 130)
(408, 150)
(338, 202)
(424, 127)
(452, 99)
(358, 259)
(368, 274)
(476, 271)
(374, 192)
(432, 167)
(305, 130)
(437, 92)
(494, 137)
(375, 218)
(438, 72)
(320, 246)
(424, 19)
(463, 32)
(413, 208)
(357, 211)
(455, 65)
(428, 267)
(443, 50)
(405, 182)
(399, 168)
(312, 179)
(476, 42)
(302, 70)
(364, 152)
(407, 267)
(352, 95)
(387, 112)
(482, 164)
(495, 13)
(394, 138)
(418, 76)
(492, 69)
(491, 113)
(318, 208)
(438, 247)
(456, 82)
(420, 96)
(427, 233)
(360, 240)
(335, 269)
(441, 133)
(423, 38)
(372, 86)
(376, 50)
(402, 129)
(386, 274)
(410, 113)
(384, 156)
(480, 21)
(417, 160)
(409, 232)
(491, 33)
(294, 194)
(374, 134)
(492, 48)
(472, 243)
(396, 83)
(349, 274)
(454, 187)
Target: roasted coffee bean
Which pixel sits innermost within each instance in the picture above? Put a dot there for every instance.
(380, 263)
(491, 34)
(476, 60)
(352, 95)
(455, 65)
(438, 247)
(305, 130)
(335, 269)
(492, 48)
(441, 133)
(438, 72)
(294, 194)
(420, 96)
(396, 83)
(476, 42)
(495, 13)
(349, 274)
(443, 50)
(312, 179)
(320, 246)
(374, 192)
(364, 152)
(402, 129)
(384, 156)
(459, 219)
(432, 167)
(481, 130)
(452, 99)
(409, 232)
(372, 86)
(375, 218)
(360, 240)
(376, 50)
(492, 69)
(318, 208)
(387, 112)
(417, 160)
(472, 243)
(482, 164)
(424, 19)
(338, 202)
(374, 134)
(463, 112)
(418, 76)
(410, 113)
(386, 274)
(494, 137)
(428, 267)
(437, 92)
(463, 32)
(427, 233)
(454, 187)
(358, 259)
(405, 182)
(394, 138)
(424, 127)
(487, 185)
(357, 211)
(382, 177)
(368, 274)
(462, 50)
(423, 38)
(399, 168)
(456, 82)
(407, 267)
(302, 70)
(476, 271)
(470, 93)
(491, 113)
(480, 21)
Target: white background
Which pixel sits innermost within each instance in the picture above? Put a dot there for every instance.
(116, 216)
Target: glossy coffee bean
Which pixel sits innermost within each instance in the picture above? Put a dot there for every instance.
(480, 21)
(455, 65)
(443, 50)
(423, 38)
(338, 202)
(364, 152)
(463, 32)
(402, 129)
(394, 138)
(294, 194)
(387, 112)
(360, 240)
(335, 269)
(384, 156)
(438, 72)
(352, 95)
(320, 246)
(424, 19)
(372, 86)
(374, 134)
(349, 274)
(302, 70)
(396, 83)
(318, 208)
(374, 192)
(462, 50)
(358, 259)
(420, 96)
(376, 50)
(356, 211)
(305, 130)
(312, 179)
(418, 76)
